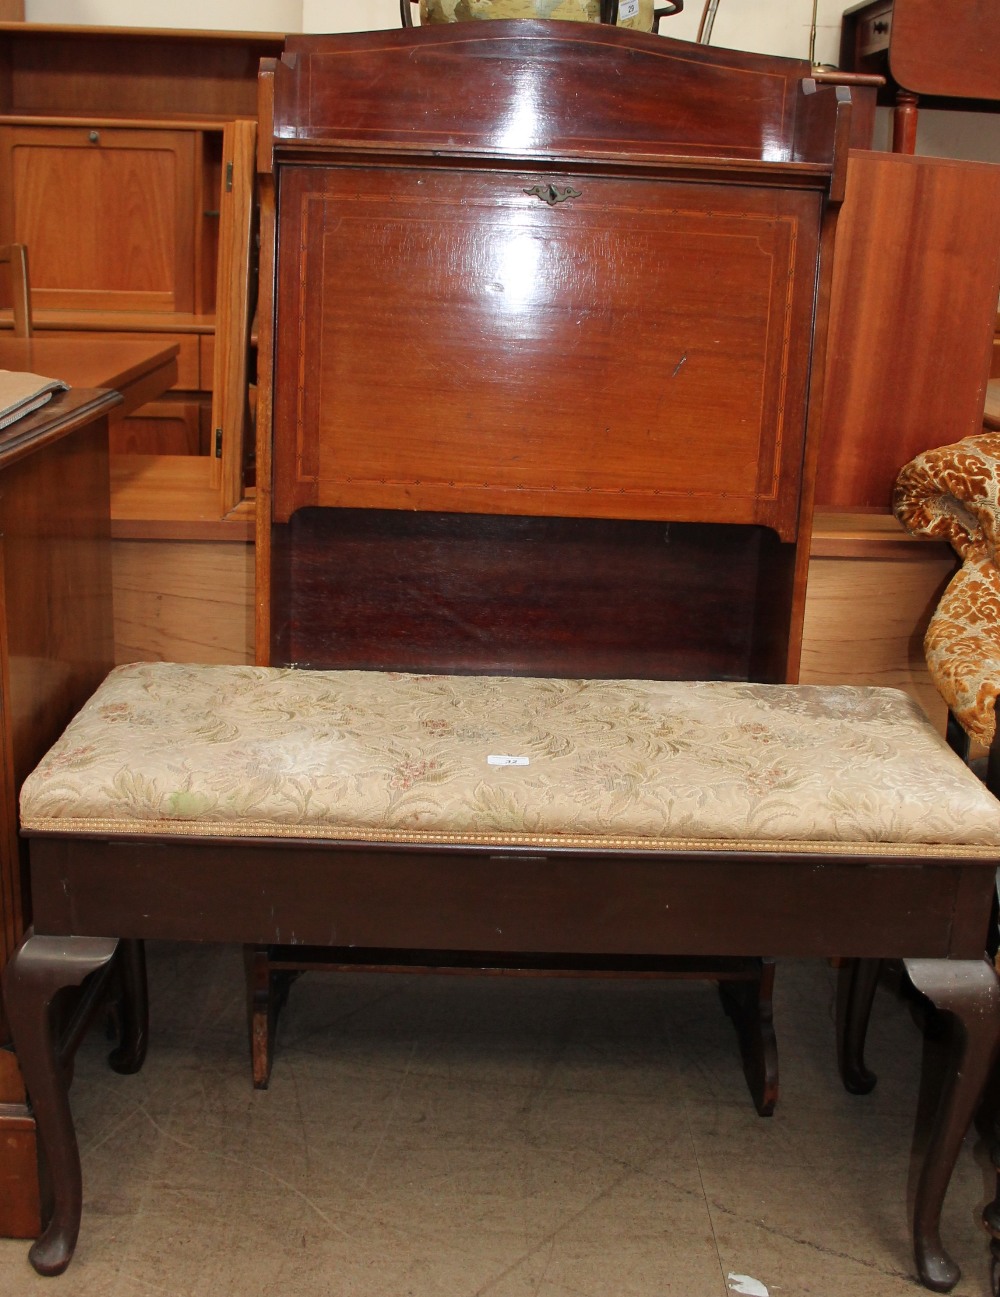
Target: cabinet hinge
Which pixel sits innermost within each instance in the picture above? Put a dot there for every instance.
(218, 443)
(229, 177)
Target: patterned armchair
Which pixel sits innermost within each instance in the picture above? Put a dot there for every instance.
(953, 493)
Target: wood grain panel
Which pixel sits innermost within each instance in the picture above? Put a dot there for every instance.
(624, 353)
(607, 904)
(235, 298)
(183, 601)
(172, 497)
(187, 349)
(915, 285)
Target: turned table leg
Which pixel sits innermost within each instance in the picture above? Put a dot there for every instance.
(969, 991)
(40, 968)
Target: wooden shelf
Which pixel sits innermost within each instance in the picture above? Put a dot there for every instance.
(869, 533)
(172, 497)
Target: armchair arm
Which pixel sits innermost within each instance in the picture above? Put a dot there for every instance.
(953, 493)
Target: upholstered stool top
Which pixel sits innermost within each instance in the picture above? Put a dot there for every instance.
(365, 756)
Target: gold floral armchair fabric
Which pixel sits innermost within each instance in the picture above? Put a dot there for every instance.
(953, 493)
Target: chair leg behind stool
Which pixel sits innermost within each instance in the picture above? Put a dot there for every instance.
(267, 993)
(130, 1053)
(856, 985)
(748, 1002)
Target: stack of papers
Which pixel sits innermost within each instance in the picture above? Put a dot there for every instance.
(21, 393)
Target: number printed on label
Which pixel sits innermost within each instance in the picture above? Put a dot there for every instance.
(628, 9)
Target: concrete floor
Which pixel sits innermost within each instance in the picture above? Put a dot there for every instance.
(482, 1137)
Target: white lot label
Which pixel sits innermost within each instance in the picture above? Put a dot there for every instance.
(506, 761)
(746, 1285)
(628, 9)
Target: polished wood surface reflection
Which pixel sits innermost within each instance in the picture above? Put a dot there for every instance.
(553, 90)
(138, 370)
(536, 370)
(626, 352)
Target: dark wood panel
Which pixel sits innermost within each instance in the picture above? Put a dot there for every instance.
(543, 596)
(574, 903)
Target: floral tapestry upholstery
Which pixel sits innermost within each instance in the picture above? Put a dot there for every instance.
(393, 758)
(953, 493)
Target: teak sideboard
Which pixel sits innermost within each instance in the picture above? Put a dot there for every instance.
(122, 154)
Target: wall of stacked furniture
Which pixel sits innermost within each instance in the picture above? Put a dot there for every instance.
(126, 166)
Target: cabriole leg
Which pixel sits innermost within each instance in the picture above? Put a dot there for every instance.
(969, 991)
(40, 968)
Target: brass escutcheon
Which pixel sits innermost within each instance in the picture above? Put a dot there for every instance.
(551, 194)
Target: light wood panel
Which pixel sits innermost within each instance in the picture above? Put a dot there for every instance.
(870, 594)
(112, 171)
(183, 601)
(135, 250)
(138, 371)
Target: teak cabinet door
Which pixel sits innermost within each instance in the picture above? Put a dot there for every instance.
(487, 342)
(135, 251)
